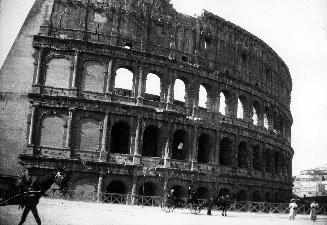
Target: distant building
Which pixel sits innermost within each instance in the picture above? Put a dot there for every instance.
(311, 182)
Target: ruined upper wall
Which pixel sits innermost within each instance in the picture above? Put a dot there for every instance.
(154, 26)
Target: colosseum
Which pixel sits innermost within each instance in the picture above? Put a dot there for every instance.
(133, 97)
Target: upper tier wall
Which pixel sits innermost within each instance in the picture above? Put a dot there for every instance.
(154, 26)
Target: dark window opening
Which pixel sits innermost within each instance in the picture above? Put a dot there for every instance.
(202, 193)
(207, 43)
(268, 161)
(256, 158)
(179, 145)
(226, 155)
(204, 146)
(256, 197)
(242, 196)
(120, 138)
(117, 187)
(184, 59)
(242, 155)
(244, 57)
(148, 189)
(277, 162)
(150, 142)
(268, 197)
(179, 191)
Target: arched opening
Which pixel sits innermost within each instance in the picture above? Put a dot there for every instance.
(224, 191)
(202, 193)
(179, 91)
(88, 135)
(254, 116)
(282, 196)
(256, 196)
(275, 122)
(256, 157)
(179, 191)
(93, 77)
(222, 103)
(207, 43)
(124, 79)
(242, 196)
(203, 97)
(152, 84)
(117, 187)
(150, 141)
(240, 108)
(58, 73)
(268, 161)
(265, 121)
(226, 152)
(84, 189)
(115, 192)
(242, 155)
(52, 132)
(120, 138)
(148, 189)
(276, 197)
(277, 161)
(268, 197)
(179, 148)
(204, 147)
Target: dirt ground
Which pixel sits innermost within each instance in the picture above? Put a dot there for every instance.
(62, 212)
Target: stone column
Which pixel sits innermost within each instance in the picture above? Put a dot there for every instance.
(109, 78)
(137, 143)
(217, 105)
(250, 158)
(217, 154)
(69, 128)
(103, 152)
(133, 191)
(170, 94)
(167, 148)
(100, 187)
(75, 72)
(38, 79)
(194, 152)
(32, 126)
(140, 85)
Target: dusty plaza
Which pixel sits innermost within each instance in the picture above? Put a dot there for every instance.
(63, 212)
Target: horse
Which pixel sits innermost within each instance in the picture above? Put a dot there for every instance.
(223, 202)
(27, 191)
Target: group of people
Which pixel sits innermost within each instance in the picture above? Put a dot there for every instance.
(221, 201)
(293, 210)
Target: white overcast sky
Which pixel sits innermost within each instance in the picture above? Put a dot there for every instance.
(295, 29)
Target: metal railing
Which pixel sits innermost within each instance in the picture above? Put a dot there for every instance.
(237, 206)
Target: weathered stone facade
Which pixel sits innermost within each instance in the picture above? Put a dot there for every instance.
(131, 141)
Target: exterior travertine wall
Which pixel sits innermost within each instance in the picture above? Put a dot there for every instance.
(109, 137)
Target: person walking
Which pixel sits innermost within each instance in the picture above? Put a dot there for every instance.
(293, 207)
(313, 211)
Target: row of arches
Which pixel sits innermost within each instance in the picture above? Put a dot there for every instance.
(99, 78)
(151, 188)
(88, 133)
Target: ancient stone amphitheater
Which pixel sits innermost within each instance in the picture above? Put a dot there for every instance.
(134, 97)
